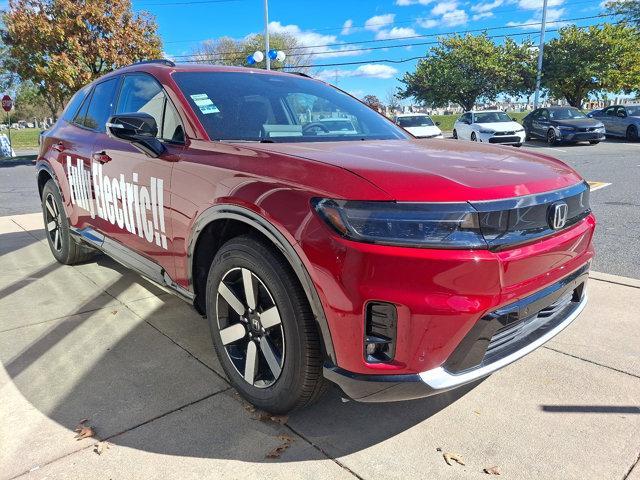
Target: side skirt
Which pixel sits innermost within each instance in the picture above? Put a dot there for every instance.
(132, 260)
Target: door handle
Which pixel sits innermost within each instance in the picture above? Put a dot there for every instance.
(101, 157)
(58, 147)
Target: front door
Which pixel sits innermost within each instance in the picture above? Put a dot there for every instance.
(135, 188)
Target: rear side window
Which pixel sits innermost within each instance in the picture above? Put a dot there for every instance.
(101, 105)
(74, 104)
(142, 93)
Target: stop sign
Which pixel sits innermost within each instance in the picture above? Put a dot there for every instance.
(7, 103)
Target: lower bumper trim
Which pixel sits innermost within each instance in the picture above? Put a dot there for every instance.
(388, 388)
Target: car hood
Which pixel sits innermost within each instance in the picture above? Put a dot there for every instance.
(501, 126)
(578, 123)
(439, 170)
(423, 131)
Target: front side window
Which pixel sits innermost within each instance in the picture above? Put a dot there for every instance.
(142, 93)
(101, 105)
(415, 121)
(234, 106)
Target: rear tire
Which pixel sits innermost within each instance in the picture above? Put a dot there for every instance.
(271, 351)
(594, 142)
(56, 224)
(632, 133)
(455, 135)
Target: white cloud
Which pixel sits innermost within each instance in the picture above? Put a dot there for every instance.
(427, 22)
(395, 32)
(316, 42)
(553, 14)
(405, 3)
(370, 70)
(346, 27)
(480, 16)
(379, 22)
(537, 4)
(454, 18)
(444, 7)
(486, 6)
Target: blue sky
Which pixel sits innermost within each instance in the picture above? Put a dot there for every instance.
(331, 27)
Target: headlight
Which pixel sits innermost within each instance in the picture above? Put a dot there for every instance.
(446, 225)
(486, 130)
(520, 130)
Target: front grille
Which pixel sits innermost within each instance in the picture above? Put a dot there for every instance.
(512, 327)
(523, 219)
(505, 133)
(505, 139)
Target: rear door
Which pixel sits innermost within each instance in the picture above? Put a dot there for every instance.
(138, 187)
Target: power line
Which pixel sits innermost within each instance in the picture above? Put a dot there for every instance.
(189, 2)
(236, 55)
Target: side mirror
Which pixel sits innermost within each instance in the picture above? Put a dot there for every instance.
(139, 129)
(437, 124)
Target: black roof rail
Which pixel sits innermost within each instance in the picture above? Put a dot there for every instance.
(302, 74)
(161, 61)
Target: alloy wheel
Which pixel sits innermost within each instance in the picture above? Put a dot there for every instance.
(551, 137)
(250, 327)
(53, 222)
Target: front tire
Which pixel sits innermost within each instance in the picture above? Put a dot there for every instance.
(262, 327)
(64, 248)
(474, 137)
(552, 139)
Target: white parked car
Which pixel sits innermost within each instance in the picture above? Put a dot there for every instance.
(343, 126)
(419, 125)
(489, 126)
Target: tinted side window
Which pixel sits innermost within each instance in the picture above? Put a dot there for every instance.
(101, 105)
(74, 104)
(142, 93)
(82, 113)
(609, 112)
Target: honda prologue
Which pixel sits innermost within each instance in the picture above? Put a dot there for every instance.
(394, 267)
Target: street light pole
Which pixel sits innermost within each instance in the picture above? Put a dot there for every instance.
(266, 33)
(540, 53)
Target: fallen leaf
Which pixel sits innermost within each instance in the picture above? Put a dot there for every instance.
(84, 431)
(448, 457)
(281, 419)
(279, 450)
(249, 408)
(438, 449)
(492, 470)
(100, 447)
(114, 312)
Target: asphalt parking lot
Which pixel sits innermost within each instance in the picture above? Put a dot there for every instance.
(100, 343)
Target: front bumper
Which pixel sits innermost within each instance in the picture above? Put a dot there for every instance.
(569, 136)
(510, 138)
(526, 325)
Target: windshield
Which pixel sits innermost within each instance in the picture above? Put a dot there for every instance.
(492, 117)
(633, 110)
(566, 114)
(245, 106)
(415, 121)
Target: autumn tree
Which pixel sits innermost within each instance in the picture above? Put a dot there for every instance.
(229, 51)
(61, 45)
(373, 102)
(460, 69)
(580, 62)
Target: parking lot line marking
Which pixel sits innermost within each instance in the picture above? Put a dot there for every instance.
(597, 185)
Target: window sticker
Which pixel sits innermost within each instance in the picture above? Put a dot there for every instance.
(204, 103)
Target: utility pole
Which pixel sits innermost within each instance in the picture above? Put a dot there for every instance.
(540, 53)
(266, 33)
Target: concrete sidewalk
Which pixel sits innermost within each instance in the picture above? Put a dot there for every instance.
(96, 341)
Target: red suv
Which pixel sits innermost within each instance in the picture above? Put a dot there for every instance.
(394, 267)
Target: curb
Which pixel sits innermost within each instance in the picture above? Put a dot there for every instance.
(617, 279)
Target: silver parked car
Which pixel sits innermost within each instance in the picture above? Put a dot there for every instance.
(620, 120)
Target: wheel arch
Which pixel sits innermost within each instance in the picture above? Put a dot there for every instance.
(220, 223)
(44, 173)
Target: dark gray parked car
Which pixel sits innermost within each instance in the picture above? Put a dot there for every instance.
(563, 124)
(620, 120)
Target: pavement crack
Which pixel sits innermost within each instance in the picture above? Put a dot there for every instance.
(591, 361)
(324, 452)
(632, 467)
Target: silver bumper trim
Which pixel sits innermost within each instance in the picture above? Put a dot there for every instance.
(440, 380)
